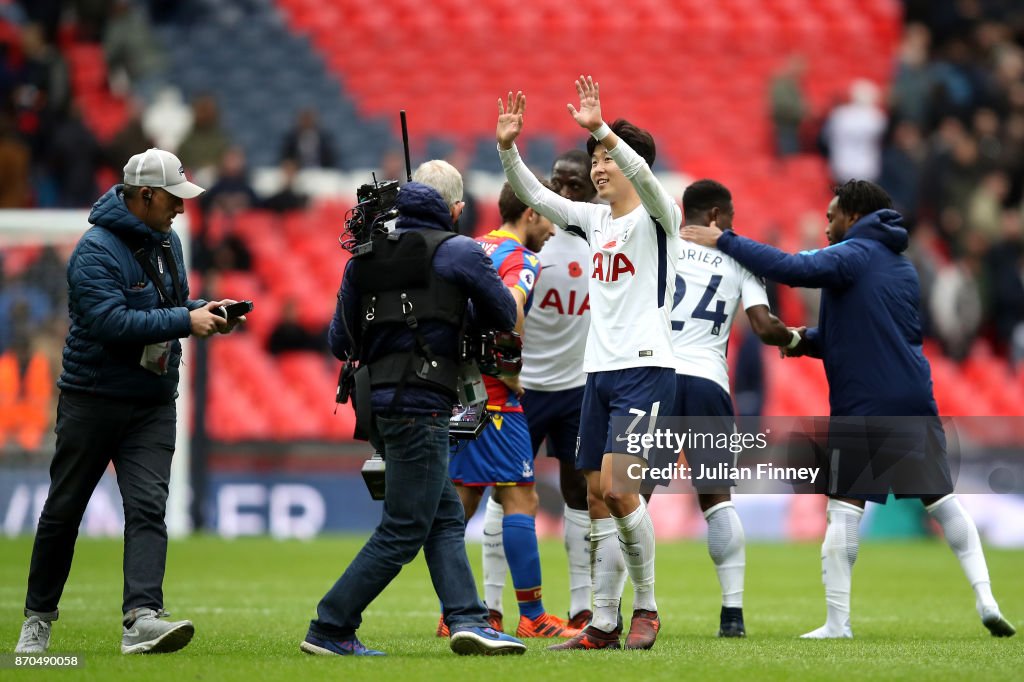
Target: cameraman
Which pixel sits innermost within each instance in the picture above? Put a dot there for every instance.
(410, 345)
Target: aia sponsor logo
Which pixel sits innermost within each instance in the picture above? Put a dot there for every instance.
(565, 304)
(609, 267)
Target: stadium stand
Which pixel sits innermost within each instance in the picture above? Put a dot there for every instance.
(696, 73)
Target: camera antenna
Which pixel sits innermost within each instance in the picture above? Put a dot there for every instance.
(405, 143)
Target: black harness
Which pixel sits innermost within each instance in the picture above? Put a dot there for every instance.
(399, 289)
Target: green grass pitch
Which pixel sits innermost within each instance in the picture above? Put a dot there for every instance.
(251, 600)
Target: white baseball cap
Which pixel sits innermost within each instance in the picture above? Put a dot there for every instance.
(158, 168)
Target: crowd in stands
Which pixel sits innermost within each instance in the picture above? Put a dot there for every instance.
(945, 137)
(948, 145)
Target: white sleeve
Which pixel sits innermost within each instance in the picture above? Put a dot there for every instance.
(551, 205)
(752, 290)
(655, 199)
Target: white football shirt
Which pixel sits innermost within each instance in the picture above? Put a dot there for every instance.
(631, 275)
(709, 286)
(555, 334)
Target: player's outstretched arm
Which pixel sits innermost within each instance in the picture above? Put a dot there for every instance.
(833, 267)
(769, 328)
(530, 191)
(655, 199)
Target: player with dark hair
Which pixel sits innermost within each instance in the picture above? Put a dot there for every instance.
(634, 240)
(869, 338)
(500, 458)
(555, 336)
(709, 287)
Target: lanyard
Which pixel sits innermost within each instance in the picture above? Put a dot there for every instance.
(143, 257)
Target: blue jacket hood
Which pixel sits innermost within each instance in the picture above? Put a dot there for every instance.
(110, 212)
(885, 226)
(421, 206)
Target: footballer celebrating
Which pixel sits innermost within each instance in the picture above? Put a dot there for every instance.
(634, 243)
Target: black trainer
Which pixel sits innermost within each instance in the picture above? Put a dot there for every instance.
(732, 622)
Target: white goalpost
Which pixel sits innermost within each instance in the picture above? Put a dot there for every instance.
(63, 228)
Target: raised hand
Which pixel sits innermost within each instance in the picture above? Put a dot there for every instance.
(510, 119)
(589, 113)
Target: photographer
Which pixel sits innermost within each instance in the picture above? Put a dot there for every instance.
(129, 303)
(400, 311)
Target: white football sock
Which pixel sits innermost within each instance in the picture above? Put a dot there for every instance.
(727, 547)
(495, 566)
(636, 535)
(609, 571)
(838, 554)
(962, 537)
(576, 531)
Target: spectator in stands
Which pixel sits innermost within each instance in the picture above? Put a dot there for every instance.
(913, 82)
(926, 254)
(206, 143)
(287, 198)
(45, 14)
(1013, 154)
(129, 139)
(903, 161)
(985, 205)
(117, 390)
(307, 144)
(1004, 264)
(15, 166)
(15, 293)
(290, 335)
(73, 157)
(956, 304)
(789, 106)
(135, 61)
(91, 18)
(853, 133)
(45, 69)
(225, 254)
(962, 174)
(985, 128)
(47, 273)
(232, 192)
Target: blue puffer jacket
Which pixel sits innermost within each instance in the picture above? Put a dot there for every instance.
(869, 330)
(459, 260)
(116, 310)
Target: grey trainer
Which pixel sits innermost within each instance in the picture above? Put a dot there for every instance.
(35, 636)
(151, 633)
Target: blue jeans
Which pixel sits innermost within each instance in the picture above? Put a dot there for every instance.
(421, 509)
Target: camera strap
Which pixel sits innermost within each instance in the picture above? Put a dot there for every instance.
(143, 256)
(172, 267)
